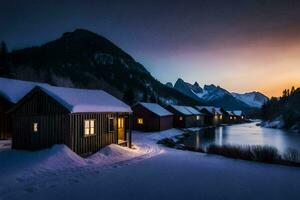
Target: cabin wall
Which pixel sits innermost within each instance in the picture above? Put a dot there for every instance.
(5, 119)
(52, 129)
(51, 117)
(166, 122)
(151, 121)
(85, 145)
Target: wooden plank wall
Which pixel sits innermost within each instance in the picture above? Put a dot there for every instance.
(84, 145)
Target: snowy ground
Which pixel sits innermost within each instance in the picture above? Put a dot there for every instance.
(148, 172)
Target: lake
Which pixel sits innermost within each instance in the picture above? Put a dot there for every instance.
(244, 134)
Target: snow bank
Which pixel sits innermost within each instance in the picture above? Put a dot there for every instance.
(5, 144)
(276, 123)
(113, 153)
(58, 157)
(156, 136)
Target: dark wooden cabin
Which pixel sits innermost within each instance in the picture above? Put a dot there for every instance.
(211, 117)
(239, 116)
(5, 121)
(11, 91)
(151, 117)
(84, 120)
(186, 116)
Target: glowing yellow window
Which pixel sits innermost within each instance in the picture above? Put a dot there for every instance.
(180, 118)
(140, 121)
(221, 117)
(198, 117)
(230, 117)
(35, 127)
(89, 127)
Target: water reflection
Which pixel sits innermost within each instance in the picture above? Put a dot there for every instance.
(245, 134)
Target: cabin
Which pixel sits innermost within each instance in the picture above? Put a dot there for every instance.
(239, 115)
(232, 116)
(11, 91)
(84, 120)
(212, 115)
(151, 117)
(186, 116)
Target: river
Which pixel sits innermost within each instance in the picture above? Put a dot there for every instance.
(245, 134)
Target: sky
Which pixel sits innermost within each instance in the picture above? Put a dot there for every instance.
(241, 45)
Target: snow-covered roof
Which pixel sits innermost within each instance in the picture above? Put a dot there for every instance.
(84, 100)
(210, 109)
(156, 109)
(230, 112)
(218, 111)
(14, 90)
(237, 112)
(186, 110)
(193, 110)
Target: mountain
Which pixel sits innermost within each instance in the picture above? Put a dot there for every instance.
(84, 59)
(217, 96)
(253, 99)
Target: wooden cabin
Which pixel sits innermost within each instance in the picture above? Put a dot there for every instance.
(239, 115)
(11, 91)
(151, 117)
(84, 120)
(186, 116)
(212, 115)
(5, 121)
(232, 117)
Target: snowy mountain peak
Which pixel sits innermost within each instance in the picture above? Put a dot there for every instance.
(218, 96)
(253, 99)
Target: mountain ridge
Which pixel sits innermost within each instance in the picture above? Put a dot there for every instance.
(83, 59)
(217, 96)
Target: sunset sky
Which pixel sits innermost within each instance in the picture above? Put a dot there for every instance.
(240, 45)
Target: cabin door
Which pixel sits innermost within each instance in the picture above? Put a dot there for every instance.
(121, 129)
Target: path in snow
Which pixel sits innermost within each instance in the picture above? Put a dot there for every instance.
(165, 174)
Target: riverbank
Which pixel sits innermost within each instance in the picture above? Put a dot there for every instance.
(278, 123)
(242, 141)
(159, 173)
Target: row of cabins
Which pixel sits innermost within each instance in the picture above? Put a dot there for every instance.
(38, 115)
(153, 117)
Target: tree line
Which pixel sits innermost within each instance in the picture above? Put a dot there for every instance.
(287, 107)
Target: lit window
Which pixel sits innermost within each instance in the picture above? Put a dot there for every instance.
(35, 127)
(221, 117)
(140, 121)
(230, 117)
(89, 127)
(242, 117)
(111, 124)
(198, 117)
(180, 118)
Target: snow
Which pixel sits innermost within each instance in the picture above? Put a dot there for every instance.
(14, 90)
(75, 100)
(84, 100)
(275, 123)
(210, 109)
(156, 109)
(253, 99)
(182, 109)
(192, 110)
(150, 171)
(237, 112)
